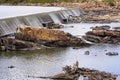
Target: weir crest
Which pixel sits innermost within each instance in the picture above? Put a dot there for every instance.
(9, 25)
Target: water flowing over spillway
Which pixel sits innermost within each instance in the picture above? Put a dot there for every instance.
(9, 25)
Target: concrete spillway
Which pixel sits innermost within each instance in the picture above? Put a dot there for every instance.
(9, 25)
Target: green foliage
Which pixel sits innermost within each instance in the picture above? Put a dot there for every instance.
(12, 1)
(40, 1)
(108, 0)
(32, 1)
(111, 2)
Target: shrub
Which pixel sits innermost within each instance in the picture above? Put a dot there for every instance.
(110, 2)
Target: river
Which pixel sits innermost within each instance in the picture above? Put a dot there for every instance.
(47, 62)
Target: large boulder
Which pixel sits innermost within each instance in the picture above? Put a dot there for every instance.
(48, 37)
(106, 33)
(27, 32)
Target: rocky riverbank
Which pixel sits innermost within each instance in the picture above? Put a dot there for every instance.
(103, 34)
(97, 12)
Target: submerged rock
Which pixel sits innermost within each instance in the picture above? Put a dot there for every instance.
(48, 37)
(55, 26)
(87, 52)
(11, 66)
(112, 53)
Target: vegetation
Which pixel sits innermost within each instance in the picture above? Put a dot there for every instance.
(111, 2)
(32, 1)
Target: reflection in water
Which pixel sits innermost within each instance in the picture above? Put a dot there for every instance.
(40, 62)
(31, 54)
(48, 62)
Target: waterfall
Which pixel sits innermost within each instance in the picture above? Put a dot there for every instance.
(9, 25)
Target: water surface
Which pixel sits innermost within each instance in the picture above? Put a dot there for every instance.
(47, 62)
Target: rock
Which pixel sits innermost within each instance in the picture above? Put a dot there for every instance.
(106, 33)
(87, 52)
(105, 50)
(62, 76)
(76, 48)
(55, 26)
(48, 37)
(15, 44)
(103, 34)
(2, 48)
(74, 72)
(104, 27)
(70, 73)
(11, 66)
(116, 28)
(92, 38)
(112, 54)
(31, 33)
(95, 55)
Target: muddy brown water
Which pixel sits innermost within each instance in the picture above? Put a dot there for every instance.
(47, 62)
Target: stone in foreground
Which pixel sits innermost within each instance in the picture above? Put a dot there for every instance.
(74, 73)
